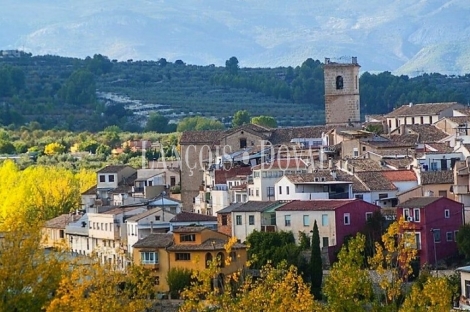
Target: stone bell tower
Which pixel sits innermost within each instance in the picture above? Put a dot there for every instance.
(342, 102)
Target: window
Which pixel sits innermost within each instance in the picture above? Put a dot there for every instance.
(111, 178)
(416, 215)
(61, 234)
(148, 257)
(280, 190)
(449, 236)
(233, 256)
(368, 216)
(208, 259)
(187, 237)
(447, 213)
(359, 196)
(221, 259)
(243, 143)
(287, 220)
(224, 220)
(270, 191)
(355, 152)
(87, 244)
(157, 218)
(251, 220)
(356, 82)
(238, 220)
(383, 195)
(287, 190)
(264, 174)
(347, 219)
(256, 174)
(363, 148)
(325, 242)
(442, 193)
(172, 181)
(306, 220)
(110, 226)
(406, 214)
(102, 178)
(414, 242)
(324, 219)
(183, 256)
(257, 192)
(437, 235)
(106, 226)
(339, 82)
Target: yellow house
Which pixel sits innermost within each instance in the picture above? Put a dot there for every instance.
(54, 230)
(187, 248)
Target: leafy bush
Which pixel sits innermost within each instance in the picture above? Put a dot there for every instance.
(178, 279)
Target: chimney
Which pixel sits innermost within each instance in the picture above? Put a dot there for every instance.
(333, 173)
(327, 60)
(354, 59)
(410, 104)
(151, 227)
(330, 163)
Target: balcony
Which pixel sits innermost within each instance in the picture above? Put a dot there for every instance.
(460, 189)
(268, 228)
(343, 195)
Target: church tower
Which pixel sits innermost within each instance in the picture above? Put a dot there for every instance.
(342, 102)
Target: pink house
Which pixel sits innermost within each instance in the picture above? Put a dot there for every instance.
(434, 221)
(336, 219)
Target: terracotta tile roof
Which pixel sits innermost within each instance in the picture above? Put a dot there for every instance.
(229, 208)
(418, 202)
(263, 132)
(283, 164)
(119, 210)
(400, 175)
(408, 139)
(112, 168)
(357, 186)
(62, 221)
(190, 229)
(375, 118)
(441, 147)
(437, 177)
(255, 206)
(398, 163)
(200, 137)
(209, 244)
(90, 191)
(364, 164)
(427, 133)
(394, 152)
(192, 217)
(424, 109)
(156, 240)
(316, 204)
(285, 135)
(375, 181)
(387, 144)
(310, 177)
(239, 187)
(221, 175)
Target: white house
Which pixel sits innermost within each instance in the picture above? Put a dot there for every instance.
(251, 216)
(139, 226)
(266, 175)
(108, 234)
(169, 204)
(321, 184)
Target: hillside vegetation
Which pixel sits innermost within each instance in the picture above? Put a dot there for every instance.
(80, 94)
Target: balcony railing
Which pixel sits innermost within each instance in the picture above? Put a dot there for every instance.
(344, 195)
(460, 189)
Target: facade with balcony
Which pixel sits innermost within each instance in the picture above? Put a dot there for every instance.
(183, 248)
(266, 175)
(155, 220)
(434, 223)
(316, 185)
(460, 188)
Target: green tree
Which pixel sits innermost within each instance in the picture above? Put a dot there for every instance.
(357, 292)
(178, 279)
(264, 121)
(241, 117)
(463, 240)
(316, 266)
(79, 88)
(156, 122)
(6, 147)
(231, 65)
(198, 123)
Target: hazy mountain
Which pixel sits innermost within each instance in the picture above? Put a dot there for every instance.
(402, 36)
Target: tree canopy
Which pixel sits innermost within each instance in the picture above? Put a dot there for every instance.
(241, 117)
(198, 123)
(265, 121)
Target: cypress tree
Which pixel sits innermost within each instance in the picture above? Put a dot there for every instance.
(316, 267)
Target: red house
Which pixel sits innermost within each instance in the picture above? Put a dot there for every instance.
(336, 219)
(435, 222)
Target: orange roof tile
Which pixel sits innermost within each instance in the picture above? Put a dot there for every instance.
(399, 175)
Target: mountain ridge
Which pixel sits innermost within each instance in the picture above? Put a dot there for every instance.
(404, 37)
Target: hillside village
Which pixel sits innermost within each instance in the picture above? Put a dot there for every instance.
(410, 163)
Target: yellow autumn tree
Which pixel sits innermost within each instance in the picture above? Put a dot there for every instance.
(356, 290)
(54, 149)
(29, 275)
(89, 286)
(278, 288)
(435, 295)
(41, 192)
(392, 260)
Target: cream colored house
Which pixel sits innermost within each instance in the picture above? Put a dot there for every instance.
(422, 114)
(54, 230)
